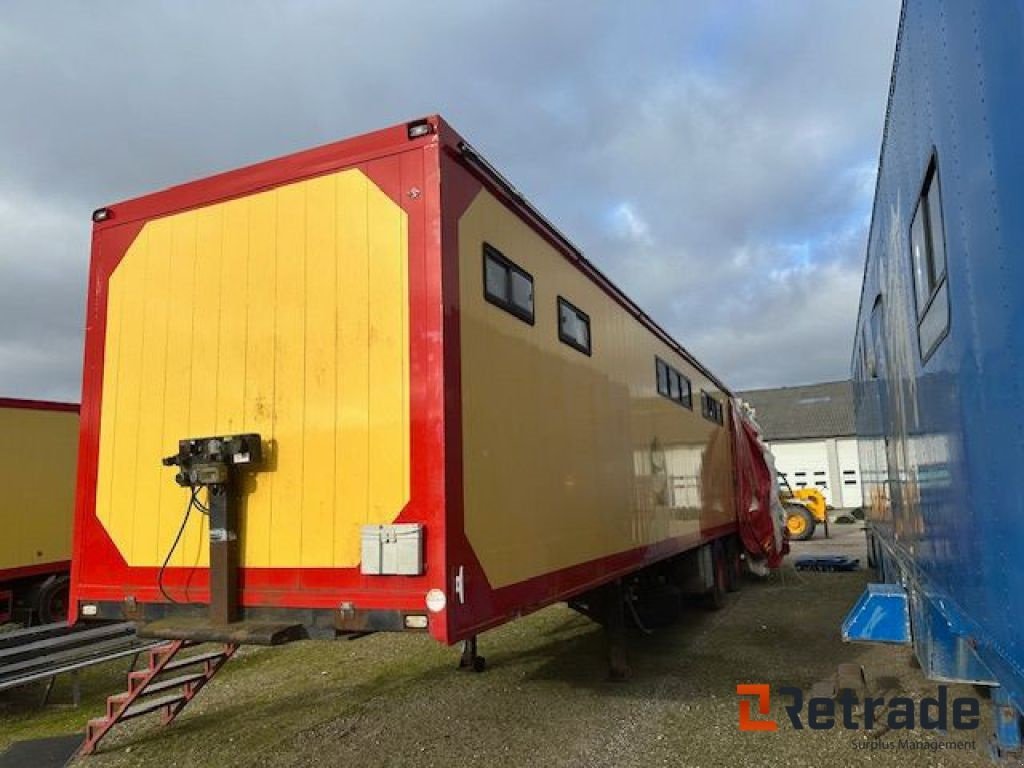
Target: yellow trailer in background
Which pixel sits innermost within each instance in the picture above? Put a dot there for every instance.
(38, 456)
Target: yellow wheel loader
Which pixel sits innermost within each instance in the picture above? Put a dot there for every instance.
(805, 508)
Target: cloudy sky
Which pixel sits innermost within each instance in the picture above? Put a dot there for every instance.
(716, 159)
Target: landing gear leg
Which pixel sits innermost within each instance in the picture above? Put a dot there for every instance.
(615, 626)
(470, 659)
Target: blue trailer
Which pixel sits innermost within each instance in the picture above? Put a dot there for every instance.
(938, 359)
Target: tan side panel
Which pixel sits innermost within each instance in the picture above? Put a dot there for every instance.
(283, 313)
(570, 458)
(38, 454)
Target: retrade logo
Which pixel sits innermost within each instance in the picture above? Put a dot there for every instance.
(898, 713)
(764, 706)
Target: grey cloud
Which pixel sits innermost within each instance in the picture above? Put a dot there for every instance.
(741, 136)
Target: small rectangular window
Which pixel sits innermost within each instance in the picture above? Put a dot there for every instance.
(573, 326)
(928, 255)
(686, 392)
(661, 373)
(672, 384)
(507, 285)
(711, 408)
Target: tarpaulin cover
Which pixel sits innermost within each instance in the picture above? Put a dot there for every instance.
(759, 512)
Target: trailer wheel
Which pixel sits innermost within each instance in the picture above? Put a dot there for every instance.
(720, 569)
(799, 522)
(734, 556)
(52, 600)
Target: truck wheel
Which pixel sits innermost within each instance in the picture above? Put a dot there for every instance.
(720, 569)
(52, 600)
(734, 556)
(799, 522)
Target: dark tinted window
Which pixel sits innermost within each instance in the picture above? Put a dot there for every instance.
(507, 285)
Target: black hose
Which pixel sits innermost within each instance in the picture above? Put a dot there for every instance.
(160, 574)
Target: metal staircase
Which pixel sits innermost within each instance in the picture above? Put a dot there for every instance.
(155, 689)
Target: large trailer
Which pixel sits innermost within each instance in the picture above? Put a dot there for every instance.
(38, 449)
(938, 350)
(432, 412)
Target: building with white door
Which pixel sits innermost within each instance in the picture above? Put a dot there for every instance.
(811, 432)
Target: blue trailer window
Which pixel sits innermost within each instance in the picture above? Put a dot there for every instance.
(573, 326)
(507, 285)
(928, 252)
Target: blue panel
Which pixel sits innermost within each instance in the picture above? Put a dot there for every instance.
(941, 435)
(1007, 724)
(879, 616)
(943, 645)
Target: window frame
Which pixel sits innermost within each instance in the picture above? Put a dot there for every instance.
(570, 340)
(711, 408)
(661, 366)
(493, 254)
(685, 398)
(931, 179)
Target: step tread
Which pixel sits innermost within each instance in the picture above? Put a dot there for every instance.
(171, 682)
(150, 705)
(187, 661)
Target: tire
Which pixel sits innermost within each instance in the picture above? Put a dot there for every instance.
(52, 600)
(799, 522)
(715, 599)
(733, 550)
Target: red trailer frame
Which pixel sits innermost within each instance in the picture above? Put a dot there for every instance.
(396, 161)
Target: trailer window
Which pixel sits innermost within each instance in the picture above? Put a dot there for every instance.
(928, 253)
(506, 285)
(685, 392)
(711, 408)
(661, 373)
(573, 326)
(672, 384)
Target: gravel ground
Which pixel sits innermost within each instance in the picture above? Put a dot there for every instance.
(397, 700)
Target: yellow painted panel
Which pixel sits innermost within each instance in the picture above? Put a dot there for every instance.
(389, 373)
(321, 371)
(176, 401)
(260, 362)
(289, 377)
(567, 457)
(271, 313)
(353, 376)
(38, 452)
(154, 322)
